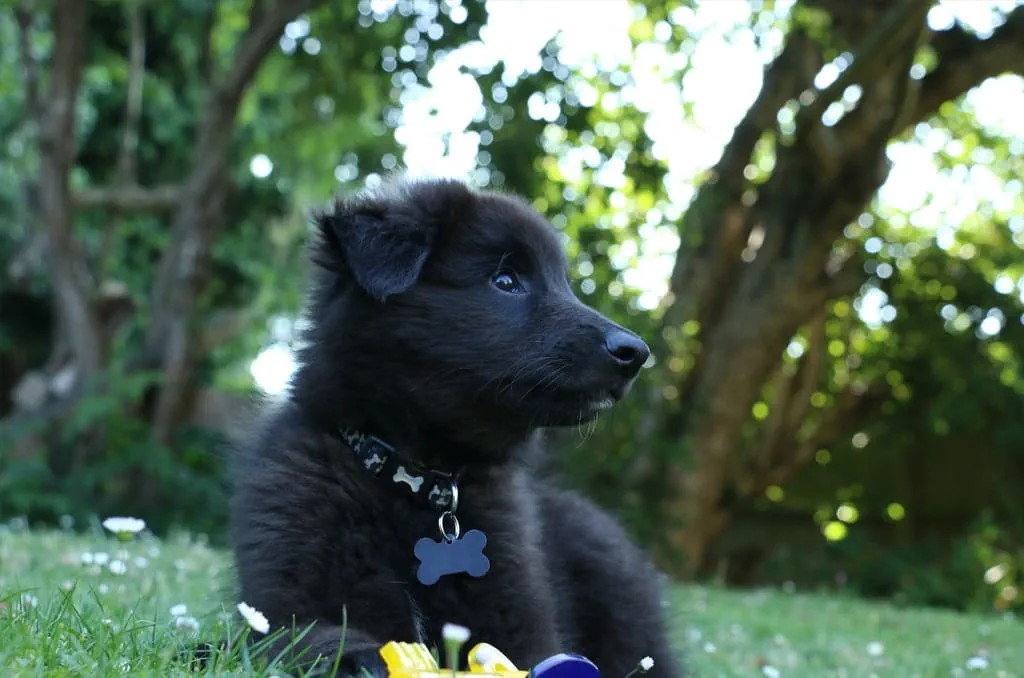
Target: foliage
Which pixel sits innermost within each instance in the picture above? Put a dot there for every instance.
(312, 94)
(908, 335)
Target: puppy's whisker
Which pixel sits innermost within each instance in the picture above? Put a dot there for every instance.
(549, 379)
(529, 369)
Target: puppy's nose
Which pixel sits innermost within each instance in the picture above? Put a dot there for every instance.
(628, 350)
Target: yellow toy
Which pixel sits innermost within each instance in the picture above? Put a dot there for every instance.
(413, 660)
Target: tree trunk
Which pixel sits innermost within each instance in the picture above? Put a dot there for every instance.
(78, 328)
(172, 340)
(758, 262)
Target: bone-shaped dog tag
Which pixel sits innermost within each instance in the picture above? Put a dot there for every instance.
(438, 558)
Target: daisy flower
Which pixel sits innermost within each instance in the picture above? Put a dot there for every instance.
(254, 618)
(186, 623)
(976, 663)
(125, 528)
(453, 633)
(643, 666)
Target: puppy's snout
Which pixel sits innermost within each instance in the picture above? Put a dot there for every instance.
(627, 349)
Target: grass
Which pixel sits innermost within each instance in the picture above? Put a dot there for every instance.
(65, 615)
(775, 633)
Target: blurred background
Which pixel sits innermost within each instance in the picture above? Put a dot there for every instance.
(813, 210)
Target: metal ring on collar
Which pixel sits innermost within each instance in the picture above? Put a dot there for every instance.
(454, 534)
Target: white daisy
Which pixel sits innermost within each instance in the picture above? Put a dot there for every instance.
(876, 649)
(118, 567)
(976, 663)
(101, 558)
(179, 610)
(453, 633)
(770, 671)
(643, 666)
(254, 618)
(187, 623)
(125, 528)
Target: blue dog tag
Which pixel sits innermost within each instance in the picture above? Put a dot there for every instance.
(451, 556)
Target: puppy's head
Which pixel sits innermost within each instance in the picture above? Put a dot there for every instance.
(457, 304)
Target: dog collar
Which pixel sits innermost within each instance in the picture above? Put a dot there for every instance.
(455, 553)
(435, 489)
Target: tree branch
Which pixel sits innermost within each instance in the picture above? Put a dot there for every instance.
(901, 23)
(965, 61)
(853, 406)
(57, 154)
(265, 27)
(809, 374)
(206, 44)
(129, 198)
(792, 400)
(25, 14)
(126, 160)
(716, 227)
(126, 172)
(784, 79)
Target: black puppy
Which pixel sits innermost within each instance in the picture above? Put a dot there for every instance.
(393, 488)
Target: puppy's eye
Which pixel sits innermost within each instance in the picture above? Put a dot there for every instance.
(507, 281)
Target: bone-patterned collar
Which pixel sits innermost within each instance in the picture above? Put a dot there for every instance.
(435, 489)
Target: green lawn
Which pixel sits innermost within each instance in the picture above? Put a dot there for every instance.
(62, 616)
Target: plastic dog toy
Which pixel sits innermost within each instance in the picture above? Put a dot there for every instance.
(413, 660)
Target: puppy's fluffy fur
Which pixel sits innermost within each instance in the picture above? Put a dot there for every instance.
(442, 322)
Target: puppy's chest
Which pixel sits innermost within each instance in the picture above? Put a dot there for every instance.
(511, 605)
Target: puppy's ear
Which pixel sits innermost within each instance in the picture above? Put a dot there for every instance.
(382, 248)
